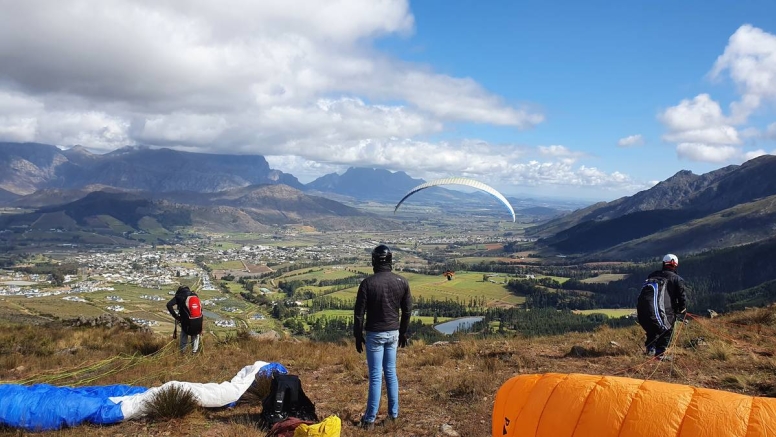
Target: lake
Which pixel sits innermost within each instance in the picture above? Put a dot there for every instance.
(462, 323)
(211, 315)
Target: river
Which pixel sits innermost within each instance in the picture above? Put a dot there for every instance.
(449, 327)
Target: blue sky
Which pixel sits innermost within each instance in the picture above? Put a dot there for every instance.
(599, 70)
(589, 100)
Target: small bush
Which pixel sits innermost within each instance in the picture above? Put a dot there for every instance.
(171, 402)
(463, 350)
(491, 365)
(762, 316)
(734, 382)
(468, 387)
(351, 362)
(433, 359)
(145, 344)
(720, 351)
(10, 361)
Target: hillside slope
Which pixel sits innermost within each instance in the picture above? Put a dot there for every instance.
(249, 209)
(702, 212)
(450, 384)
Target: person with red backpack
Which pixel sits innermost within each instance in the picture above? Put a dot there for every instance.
(189, 315)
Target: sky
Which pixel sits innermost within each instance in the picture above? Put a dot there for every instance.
(588, 100)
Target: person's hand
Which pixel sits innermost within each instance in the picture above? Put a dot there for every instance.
(359, 344)
(402, 340)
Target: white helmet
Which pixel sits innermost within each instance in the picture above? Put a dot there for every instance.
(671, 259)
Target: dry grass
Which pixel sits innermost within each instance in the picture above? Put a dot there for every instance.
(720, 351)
(171, 402)
(760, 316)
(452, 383)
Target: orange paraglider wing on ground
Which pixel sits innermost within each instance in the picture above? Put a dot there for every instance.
(576, 405)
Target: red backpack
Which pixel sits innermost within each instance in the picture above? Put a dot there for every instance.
(194, 307)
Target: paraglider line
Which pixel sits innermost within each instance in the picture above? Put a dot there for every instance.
(717, 333)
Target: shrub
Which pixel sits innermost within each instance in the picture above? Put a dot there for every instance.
(171, 402)
(145, 343)
(761, 316)
(720, 351)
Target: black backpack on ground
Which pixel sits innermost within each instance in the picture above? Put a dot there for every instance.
(286, 399)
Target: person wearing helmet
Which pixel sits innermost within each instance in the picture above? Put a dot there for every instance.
(662, 298)
(382, 296)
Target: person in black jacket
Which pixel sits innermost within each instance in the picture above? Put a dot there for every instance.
(662, 298)
(382, 296)
(189, 327)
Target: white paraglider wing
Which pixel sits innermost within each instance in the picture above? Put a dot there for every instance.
(460, 181)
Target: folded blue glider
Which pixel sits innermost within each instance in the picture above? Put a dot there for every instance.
(43, 407)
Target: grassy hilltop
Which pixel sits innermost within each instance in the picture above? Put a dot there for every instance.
(452, 383)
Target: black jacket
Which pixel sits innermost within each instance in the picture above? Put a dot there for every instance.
(381, 296)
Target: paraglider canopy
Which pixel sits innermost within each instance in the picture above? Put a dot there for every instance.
(459, 181)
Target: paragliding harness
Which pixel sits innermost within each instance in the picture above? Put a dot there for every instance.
(194, 310)
(651, 306)
(286, 399)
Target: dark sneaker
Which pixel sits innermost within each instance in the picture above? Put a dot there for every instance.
(369, 426)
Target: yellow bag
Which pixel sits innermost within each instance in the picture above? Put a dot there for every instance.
(329, 427)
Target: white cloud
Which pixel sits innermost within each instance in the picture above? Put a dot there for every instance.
(699, 120)
(750, 59)
(631, 140)
(240, 75)
(300, 82)
(706, 153)
(754, 154)
(700, 128)
(502, 166)
(561, 153)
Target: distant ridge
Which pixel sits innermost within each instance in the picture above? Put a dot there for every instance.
(367, 184)
(686, 212)
(29, 167)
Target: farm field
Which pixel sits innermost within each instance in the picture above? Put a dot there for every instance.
(427, 320)
(464, 286)
(228, 265)
(605, 278)
(318, 273)
(495, 259)
(611, 312)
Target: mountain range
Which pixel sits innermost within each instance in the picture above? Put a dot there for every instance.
(28, 167)
(34, 175)
(686, 213)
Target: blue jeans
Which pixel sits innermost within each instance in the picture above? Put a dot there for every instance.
(381, 358)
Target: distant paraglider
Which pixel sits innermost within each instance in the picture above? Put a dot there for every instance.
(459, 181)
